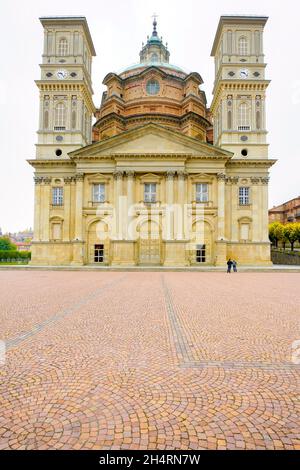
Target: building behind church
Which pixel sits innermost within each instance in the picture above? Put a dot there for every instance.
(160, 178)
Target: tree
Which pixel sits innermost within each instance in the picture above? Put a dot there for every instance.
(6, 244)
(280, 234)
(273, 233)
(297, 230)
(290, 233)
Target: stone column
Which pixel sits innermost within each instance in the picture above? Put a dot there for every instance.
(78, 211)
(37, 208)
(67, 208)
(264, 210)
(78, 244)
(232, 208)
(118, 176)
(170, 202)
(130, 203)
(182, 175)
(256, 208)
(45, 204)
(221, 205)
(221, 249)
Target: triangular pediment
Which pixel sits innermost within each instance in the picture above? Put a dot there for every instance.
(151, 139)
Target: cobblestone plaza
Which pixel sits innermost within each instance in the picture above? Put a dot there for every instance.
(149, 360)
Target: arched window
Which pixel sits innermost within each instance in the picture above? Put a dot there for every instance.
(244, 117)
(60, 116)
(243, 46)
(154, 57)
(63, 47)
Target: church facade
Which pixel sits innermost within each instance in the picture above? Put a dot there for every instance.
(160, 178)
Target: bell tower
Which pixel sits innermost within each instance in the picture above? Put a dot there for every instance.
(240, 86)
(66, 105)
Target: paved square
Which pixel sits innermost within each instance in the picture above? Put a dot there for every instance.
(149, 360)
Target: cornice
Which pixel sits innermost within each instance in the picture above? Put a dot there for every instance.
(46, 163)
(151, 156)
(266, 163)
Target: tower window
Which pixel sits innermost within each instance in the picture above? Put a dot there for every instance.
(60, 117)
(244, 117)
(243, 196)
(152, 87)
(243, 46)
(63, 47)
(154, 57)
(57, 196)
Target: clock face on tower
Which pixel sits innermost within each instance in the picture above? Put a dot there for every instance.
(244, 73)
(61, 74)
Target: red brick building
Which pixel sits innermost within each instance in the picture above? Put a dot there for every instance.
(287, 212)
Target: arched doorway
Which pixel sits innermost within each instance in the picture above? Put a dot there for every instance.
(149, 242)
(201, 249)
(98, 243)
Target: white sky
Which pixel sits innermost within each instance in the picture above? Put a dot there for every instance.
(118, 29)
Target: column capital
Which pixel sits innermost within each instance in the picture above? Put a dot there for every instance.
(182, 174)
(69, 179)
(255, 180)
(265, 180)
(130, 173)
(46, 179)
(38, 180)
(170, 174)
(221, 177)
(79, 176)
(232, 179)
(118, 174)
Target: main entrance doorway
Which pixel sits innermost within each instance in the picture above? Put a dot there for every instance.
(150, 243)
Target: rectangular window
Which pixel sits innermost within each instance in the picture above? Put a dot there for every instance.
(99, 253)
(200, 254)
(57, 196)
(244, 196)
(99, 192)
(201, 192)
(150, 192)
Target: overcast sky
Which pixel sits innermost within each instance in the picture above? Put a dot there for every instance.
(118, 29)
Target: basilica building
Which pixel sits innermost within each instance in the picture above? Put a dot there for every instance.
(153, 176)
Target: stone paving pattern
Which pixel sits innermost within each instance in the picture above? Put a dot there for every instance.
(116, 360)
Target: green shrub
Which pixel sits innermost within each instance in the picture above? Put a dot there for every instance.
(8, 255)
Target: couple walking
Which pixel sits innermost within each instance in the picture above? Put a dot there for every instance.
(231, 263)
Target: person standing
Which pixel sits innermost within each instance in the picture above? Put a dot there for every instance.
(229, 265)
(234, 265)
